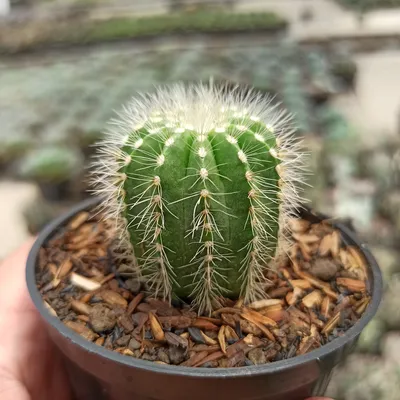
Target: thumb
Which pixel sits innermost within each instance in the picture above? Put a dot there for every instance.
(13, 293)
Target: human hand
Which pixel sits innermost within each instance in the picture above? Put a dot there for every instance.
(30, 369)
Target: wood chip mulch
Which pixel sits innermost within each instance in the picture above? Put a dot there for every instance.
(314, 296)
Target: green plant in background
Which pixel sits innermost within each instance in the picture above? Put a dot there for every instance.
(51, 164)
(86, 138)
(295, 98)
(319, 72)
(200, 181)
(339, 155)
(74, 31)
(364, 5)
(13, 145)
(335, 126)
(200, 21)
(193, 6)
(262, 69)
(345, 69)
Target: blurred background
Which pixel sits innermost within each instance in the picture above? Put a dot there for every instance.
(66, 65)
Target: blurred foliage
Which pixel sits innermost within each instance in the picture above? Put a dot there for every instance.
(79, 31)
(200, 21)
(338, 133)
(345, 69)
(334, 125)
(295, 99)
(51, 164)
(320, 72)
(364, 5)
(13, 146)
(190, 6)
(53, 107)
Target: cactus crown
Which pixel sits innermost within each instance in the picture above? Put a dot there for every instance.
(199, 182)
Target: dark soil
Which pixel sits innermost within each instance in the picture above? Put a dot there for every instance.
(315, 294)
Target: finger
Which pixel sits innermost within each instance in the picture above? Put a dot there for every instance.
(13, 292)
(18, 257)
(24, 340)
(11, 389)
(18, 316)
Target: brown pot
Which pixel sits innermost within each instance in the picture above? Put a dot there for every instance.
(100, 374)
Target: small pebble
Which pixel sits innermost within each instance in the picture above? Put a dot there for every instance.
(148, 335)
(176, 355)
(248, 362)
(163, 356)
(292, 351)
(134, 344)
(257, 356)
(101, 318)
(152, 351)
(137, 353)
(223, 363)
(324, 268)
(123, 340)
(210, 364)
(271, 354)
(117, 333)
(108, 344)
(133, 285)
(148, 357)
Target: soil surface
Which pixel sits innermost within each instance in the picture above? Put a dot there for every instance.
(314, 295)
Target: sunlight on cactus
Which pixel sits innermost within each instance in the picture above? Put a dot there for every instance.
(199, 182)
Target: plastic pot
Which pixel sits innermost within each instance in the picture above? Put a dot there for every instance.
(99, 374)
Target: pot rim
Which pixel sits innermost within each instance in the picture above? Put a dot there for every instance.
(315, 355)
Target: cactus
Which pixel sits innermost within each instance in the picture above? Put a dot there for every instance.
(199, 182)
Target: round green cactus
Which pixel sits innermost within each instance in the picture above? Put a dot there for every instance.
(199, 182)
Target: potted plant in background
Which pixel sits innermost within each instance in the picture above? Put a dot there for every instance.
(197, 273)
(345, 70)
(13, 146)
(53, 168)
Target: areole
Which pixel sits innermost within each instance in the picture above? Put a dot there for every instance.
(98, 373)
